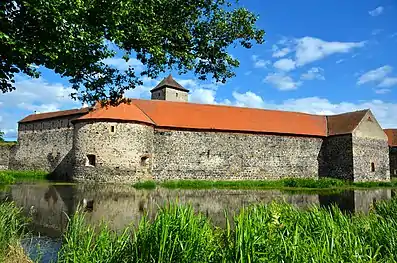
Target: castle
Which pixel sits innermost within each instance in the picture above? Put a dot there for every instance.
(169, 138)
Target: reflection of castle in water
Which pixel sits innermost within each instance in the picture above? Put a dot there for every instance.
(122, 205)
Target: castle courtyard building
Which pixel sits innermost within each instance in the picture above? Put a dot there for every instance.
(169, 137)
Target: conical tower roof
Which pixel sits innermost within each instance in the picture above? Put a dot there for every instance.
(169, 82)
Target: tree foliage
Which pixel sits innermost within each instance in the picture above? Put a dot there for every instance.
(1, 136)
(72, 38)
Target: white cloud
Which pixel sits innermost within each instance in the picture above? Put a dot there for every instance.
(374, 75)
(121, 64)
(201, 95)
(382, 91)
(310, 49)
(313, 73)
(388, 82)
(282, 82)
(339, 61)
(383, 111)
(284, 64)
(32, 95)
(260, 63)
(248, 99)
(376, 32)
(377, 11)
(279, 53)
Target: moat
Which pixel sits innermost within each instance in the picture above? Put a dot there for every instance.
(50, 205)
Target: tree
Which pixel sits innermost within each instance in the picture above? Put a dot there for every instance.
(71, 37)
(1, 136)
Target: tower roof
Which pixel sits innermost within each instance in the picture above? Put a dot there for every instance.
(169, 82)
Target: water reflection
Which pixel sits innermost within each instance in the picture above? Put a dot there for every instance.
(120, 205)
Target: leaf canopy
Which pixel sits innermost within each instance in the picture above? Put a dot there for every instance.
(74, 37)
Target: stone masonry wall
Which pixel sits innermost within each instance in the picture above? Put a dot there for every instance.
(122, 153)
(216, 155)
(45, 145)
(367, 151)
(370, 151)
(337, 157)
(4, 156)
(393, 161)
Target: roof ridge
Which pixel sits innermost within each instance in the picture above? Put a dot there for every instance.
(145, 114)
(230, 106)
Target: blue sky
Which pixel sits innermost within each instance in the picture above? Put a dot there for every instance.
(321, 57)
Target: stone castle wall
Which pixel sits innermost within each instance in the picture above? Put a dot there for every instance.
(45, 145)
(221, 155)
(393, 161)
(5, 155)
(122, 153)
(337, 157)
(370, 151)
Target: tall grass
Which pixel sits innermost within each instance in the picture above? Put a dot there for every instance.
(12, 225)
(277, 232)
(10, 176)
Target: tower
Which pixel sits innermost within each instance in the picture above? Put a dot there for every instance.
(169, 89)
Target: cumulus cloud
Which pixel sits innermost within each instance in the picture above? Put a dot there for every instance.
(278, 53)
(310, 49)
(313, 73)
(380, 77)
(377, 11)
(282, 81)
(32, 95)
(284, 64)
(383, 111)
(260, 63)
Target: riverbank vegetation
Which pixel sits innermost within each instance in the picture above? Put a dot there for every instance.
(10, 177)
(275, 232)
(12, 225)
(282, 184)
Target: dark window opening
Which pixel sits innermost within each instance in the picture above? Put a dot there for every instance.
(208, 154)
(372, 167)
(111, 128)
(176, 95)
(91, 160)
(144, 160)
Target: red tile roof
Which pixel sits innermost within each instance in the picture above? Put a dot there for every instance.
(344, 123)
(56, 114)
(392, 136)
(122, 112)
(168, 114)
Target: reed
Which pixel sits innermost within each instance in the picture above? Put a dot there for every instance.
(276, 232)
(12, 226)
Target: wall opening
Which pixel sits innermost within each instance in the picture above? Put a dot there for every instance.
(144, 160)
(176, 95)
(91, 160)
(112, 129)
(372, 167)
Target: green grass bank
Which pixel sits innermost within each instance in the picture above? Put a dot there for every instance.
(287, 184)
(10, 177)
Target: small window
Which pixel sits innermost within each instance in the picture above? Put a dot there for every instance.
(91, 160)
(176, 95)
(144, 160)
(112, 129)
(372, 167)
